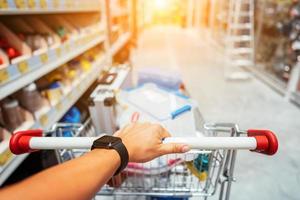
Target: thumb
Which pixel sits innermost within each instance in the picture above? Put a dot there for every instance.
(174, 148)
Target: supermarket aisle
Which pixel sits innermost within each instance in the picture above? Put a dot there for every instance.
(250, 104)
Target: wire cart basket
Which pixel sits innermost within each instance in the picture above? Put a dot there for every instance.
(203, 171)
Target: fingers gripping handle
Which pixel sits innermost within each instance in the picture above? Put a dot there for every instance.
(20, 141)
(267, 142)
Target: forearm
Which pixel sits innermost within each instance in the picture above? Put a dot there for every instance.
(76, 179)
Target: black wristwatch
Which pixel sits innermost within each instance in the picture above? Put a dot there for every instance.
(111, 142)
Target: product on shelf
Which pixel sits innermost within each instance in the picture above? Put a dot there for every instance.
(49, 39)
(62, 75)
(34, 41)
(72, 116)
(26, 33)
(83, 23)
(279, 36)
(54, 92)
(4, 61)
(74, 66)
(8, 49)
(4, 134)
(13, 114)
(62, 33)
(41, 28)
(30, 98)
(61, 27)
(14, 48)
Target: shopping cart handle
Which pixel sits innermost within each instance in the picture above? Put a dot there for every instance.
(267, 142)
(19, 141)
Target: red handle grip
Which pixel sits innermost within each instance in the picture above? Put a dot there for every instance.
(19, 141)
(267, 142)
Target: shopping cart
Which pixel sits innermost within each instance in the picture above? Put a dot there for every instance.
(208, 167)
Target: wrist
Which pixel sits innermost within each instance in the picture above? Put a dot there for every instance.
(115, 144)
(110, 153)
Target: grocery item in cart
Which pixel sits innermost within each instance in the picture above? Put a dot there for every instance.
(169, 79)
(102, 110)
(199, 166)
(175, 112)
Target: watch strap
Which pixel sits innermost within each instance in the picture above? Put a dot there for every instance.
(117, 146)
(123, 153)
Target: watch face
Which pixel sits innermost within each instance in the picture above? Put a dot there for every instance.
(107, 141)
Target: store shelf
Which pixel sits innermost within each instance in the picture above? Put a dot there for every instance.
(81, 85)
(269, 79)
(43, 11)
(122, 40)
(22, 7)
(56, 112)
(295, 97)
(19, 75)
(10, 167)
(120, 13)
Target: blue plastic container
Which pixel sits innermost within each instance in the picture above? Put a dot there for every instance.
(169, 79)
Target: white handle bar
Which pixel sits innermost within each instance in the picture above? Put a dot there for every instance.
(207, 143)
(262, 141)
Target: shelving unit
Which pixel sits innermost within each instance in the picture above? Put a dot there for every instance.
(122, 40)
(19, 75)
(16, 76)
(22, 7)
(57, 111)
(289, 89)
(269, 79)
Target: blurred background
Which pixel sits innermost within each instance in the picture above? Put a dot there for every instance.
(238, 59)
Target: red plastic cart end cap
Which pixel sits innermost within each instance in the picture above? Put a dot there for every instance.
(19, 141)
(267, 142)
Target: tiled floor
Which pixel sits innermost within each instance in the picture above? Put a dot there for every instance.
(251, 104)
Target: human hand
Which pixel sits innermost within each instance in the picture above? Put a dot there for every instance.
(144, 142)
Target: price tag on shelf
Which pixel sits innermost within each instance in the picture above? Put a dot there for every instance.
(78, 87)
(55, 3)
(67, 48)
(23, 67)
(68, 3)
(4, 75)
(31, 4)
(5, 157)
(44, 58)
(70, 96)
(20, 3)
(59, 107)
(44, 120)
(77, 43)
(43, 4)
(3, 4)
(58, 52)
